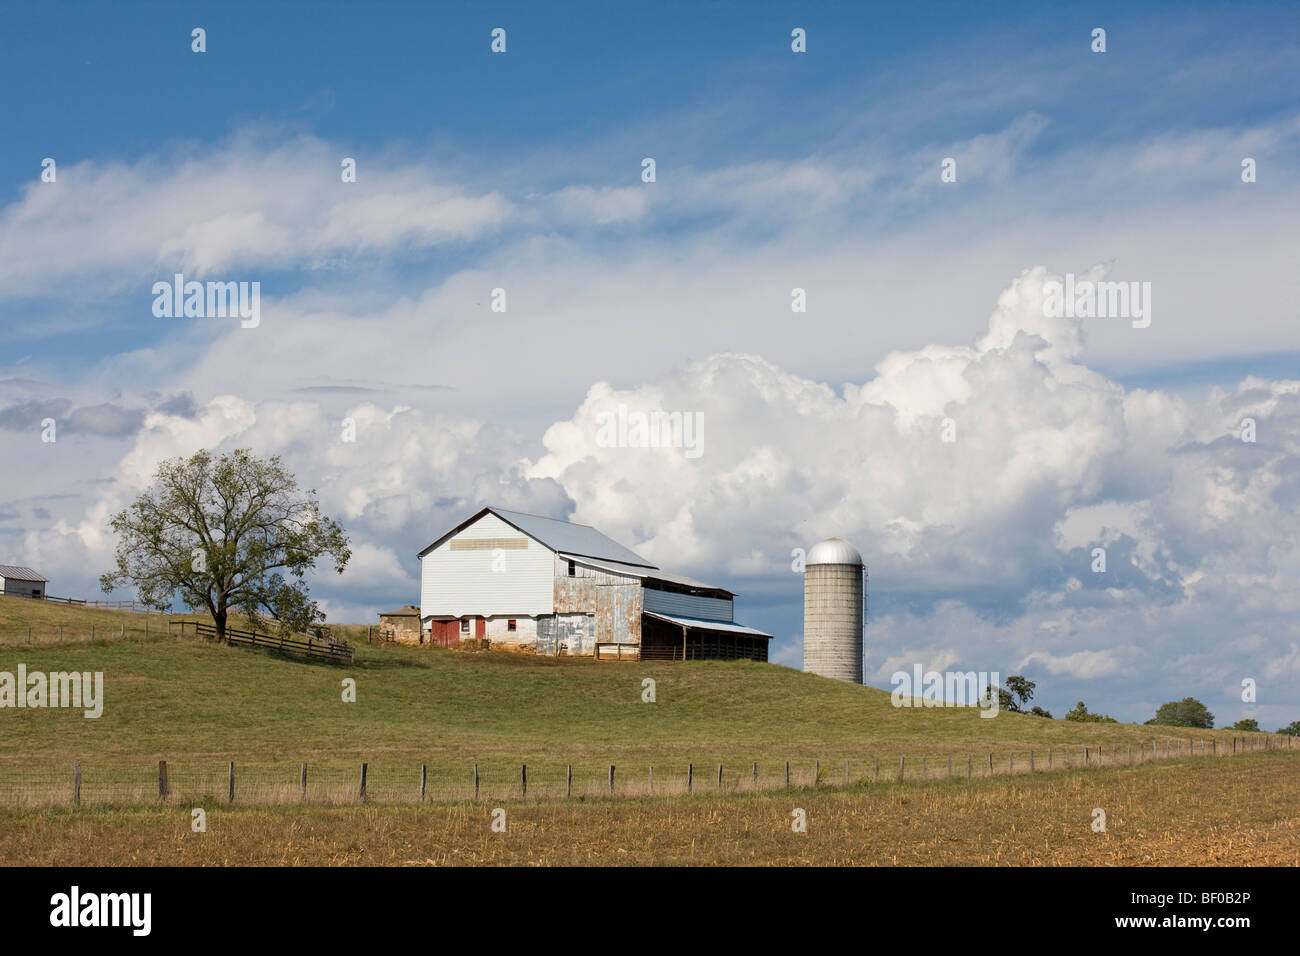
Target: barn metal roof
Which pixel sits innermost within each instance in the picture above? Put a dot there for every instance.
(571, 538)
(20, 573)
(703, 625)
(576, 539)
(648, 573)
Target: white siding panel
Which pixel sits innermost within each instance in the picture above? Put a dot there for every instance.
(687, 605)
(459, 582)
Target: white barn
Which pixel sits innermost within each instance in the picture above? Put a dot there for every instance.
(20, 580)
(559, 588)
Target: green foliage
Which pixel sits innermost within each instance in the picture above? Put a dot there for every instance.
(1080, 713)
(1015, 695)
(1188, 712)
(1247, 723)
(1022, 688)
(1291, 730)
(227, 533)
(1037, 711)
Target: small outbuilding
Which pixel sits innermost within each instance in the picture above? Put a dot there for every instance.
(24, 582)
(401, 627)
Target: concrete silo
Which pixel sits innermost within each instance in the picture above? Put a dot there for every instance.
(834, 589)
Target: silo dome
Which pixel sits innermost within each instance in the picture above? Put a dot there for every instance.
(834, 596)
(834, 551)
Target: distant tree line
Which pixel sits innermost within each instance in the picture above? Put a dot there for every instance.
(1015, 693)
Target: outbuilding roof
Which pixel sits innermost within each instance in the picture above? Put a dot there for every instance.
(700, 624)
(19, 573)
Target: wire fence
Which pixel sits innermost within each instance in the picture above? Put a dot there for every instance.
(133, 783)
(54, 635)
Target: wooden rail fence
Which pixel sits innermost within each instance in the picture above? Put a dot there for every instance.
(337, 652)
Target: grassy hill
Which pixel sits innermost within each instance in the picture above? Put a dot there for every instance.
(198, 705)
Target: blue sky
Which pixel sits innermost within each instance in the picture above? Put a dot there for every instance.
(775, 170)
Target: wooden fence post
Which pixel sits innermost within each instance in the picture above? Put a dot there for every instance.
(924, 773)
(523, 780)
(363, 783)
(1031, 761)
(719, 776)
(302, 781)
(877, 770)
(611, 778)
(990, 765)
(787, 775)
(232, 781)
(424, 779)
(949, 766)
(970, 765)
(162, 779)
(76, 785)
(475, 781)
(690, 776)
(568, 780)
(1011, 763)
(901, 767)
(846, 773)
(652, 778)
(817, 772)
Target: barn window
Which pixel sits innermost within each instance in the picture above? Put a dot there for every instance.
(572, 569)
(510, 624)
(464, 625)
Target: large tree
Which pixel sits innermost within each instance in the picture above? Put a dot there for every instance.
(228, 533)
(1188, 712)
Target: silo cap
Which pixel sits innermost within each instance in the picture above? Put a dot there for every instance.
(834, 551)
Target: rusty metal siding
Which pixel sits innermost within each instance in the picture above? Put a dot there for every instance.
(578, 594)
(568, 634)
(618, 614)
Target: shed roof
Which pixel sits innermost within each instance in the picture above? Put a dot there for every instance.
(409, 610)
(696, 623)
(19, 573)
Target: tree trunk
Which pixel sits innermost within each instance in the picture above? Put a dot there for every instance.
(219, 620)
